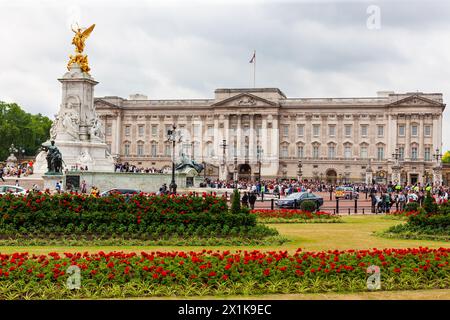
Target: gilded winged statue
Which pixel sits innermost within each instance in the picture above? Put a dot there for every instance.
(78, 40)
(80, 37)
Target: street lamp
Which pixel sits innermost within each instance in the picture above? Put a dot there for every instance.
(259, 154)
(437, 156)
(172, 137)
(299, 166)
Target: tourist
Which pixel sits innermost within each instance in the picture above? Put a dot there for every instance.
(58, 187)
(1, 174)
(83, 187)
(252, 200)
(17, 183)
(244, 199)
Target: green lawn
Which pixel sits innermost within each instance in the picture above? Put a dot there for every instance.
(355, 233)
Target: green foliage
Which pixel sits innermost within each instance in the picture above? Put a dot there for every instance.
(236, 202)
(21, 128)
(140, 216)
(429, 204)
(411, 206)
(446, 157)
(308, 205)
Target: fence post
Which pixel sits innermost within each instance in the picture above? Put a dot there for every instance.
(356, 205)
(271, 204)
(262, 196)
(337, 205)
(363, 210)
(348, 211)
(331, 195)
(295, 203)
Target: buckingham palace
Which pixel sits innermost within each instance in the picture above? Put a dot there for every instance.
(261, 133)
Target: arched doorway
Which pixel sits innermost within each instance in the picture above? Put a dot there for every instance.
(331, 176)
(244, 171)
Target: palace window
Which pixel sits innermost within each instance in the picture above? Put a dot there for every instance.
(300, 130)
(414, 130)
(363, 130)
(380, 130)
(300, 151)
(285, 130)
(332, 130)
(140, 149)
(284, 151)
(196, 130)
(210, 130)
(210, 150)
(141, 130)
(414, 153)
(427, 154)
(155, 130)
(347, 152)
(380, 153)
(401, 130)
(127, 149)
(108, 130)
(427, 130)
(348, 130)
(363, 152)
(154, 149)
(401, 151)
(331, 152)
(127, 130)
(316, 130)
(167, 150)
(316, 152)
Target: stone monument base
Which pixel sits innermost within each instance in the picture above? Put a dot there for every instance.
(77, 154)
(50, 181)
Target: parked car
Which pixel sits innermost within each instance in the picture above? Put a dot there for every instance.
(346, 193)
(12, 190)
(294, 200)
(119, 191)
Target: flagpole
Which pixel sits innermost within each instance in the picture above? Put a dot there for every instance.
(254, 70)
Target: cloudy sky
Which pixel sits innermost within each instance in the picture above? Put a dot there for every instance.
(186, 49)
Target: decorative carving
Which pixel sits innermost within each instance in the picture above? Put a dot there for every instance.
(246, 101)
(96, 130)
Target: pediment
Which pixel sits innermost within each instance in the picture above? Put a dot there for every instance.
(245, 100)
(99, 103)
(415, 100)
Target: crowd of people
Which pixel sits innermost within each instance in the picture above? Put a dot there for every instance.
(126, 167)
(19, 170)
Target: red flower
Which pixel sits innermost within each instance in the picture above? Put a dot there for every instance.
(228, 266)
(212, 274)
(266, 272)
(225, 277)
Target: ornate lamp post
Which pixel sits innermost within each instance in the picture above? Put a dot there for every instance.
(396, 168)
(224, 146)
(259, 154)
(299, 171)
(437, 171)
(173, 136)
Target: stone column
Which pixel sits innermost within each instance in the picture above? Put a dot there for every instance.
(239, 137)
(421, 139)
(437, 176)
(275, 145)
(118, 133)
(264, 133)
(251, 144)
(408, 137)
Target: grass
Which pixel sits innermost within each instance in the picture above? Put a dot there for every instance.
(355, 233)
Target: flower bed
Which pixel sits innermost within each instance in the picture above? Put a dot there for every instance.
(433, 224)
(293, 215)
(141, 217)
(400, 214)
(118, 274)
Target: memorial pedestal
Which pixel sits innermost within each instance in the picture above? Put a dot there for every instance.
(50, 181)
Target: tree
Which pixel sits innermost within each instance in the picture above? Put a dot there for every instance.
(22, 129)
(236, 201)
(446, 157)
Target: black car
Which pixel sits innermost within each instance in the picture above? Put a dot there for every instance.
(128, 192)
(294, 200)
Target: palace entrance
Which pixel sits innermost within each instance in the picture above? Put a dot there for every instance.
(331, 176)
(244, 171)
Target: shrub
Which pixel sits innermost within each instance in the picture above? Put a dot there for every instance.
(308, 205)
(411, 206)
(236, 201)
(429, 204)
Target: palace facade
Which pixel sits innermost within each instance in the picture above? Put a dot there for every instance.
(248, 133)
